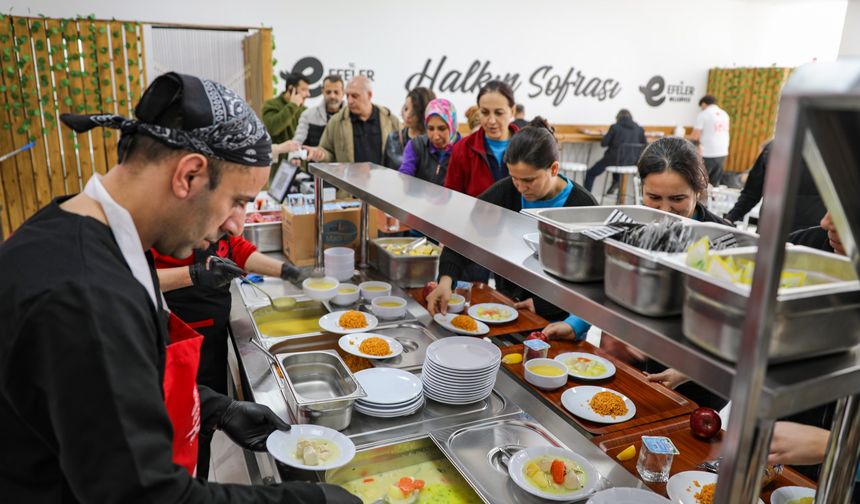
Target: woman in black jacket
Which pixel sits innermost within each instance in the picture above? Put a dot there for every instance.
(625, 131)
(413, 122)
(534, 182)
(674, 180)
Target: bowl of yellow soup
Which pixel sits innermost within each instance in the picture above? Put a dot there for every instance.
(347, 294)
(456, 303)
(321, 289)
(388, 307)
(545, 374)
(371, 290)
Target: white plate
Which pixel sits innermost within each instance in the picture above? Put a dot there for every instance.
(351, 342)
(444, 388)
(389, 386)
(464, 354)
(627, 496)
(682, 490)
(282, 445)
(458, 402)
(787, 493)
(386, 413)
(522, 457)
(576, 400)
(329, 323)
(386, 408)
(460, 374)
(445, 321)
(610, 367)
(458, 394)
(457, 386)
(511, 312)
(532, 241)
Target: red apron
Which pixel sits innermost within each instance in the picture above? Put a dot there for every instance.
(180, 391)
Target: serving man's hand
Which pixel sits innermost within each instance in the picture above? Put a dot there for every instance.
(249, 424)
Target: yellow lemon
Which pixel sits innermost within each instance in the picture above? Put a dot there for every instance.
(513, 358)
(627, 454)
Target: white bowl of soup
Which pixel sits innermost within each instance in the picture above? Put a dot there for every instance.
(545, 374)
(371, 290)
(388, 307)
(456, 304)
(347, 294)
(321, 289)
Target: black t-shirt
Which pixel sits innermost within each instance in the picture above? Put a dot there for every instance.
(81, 362)
(367, 138)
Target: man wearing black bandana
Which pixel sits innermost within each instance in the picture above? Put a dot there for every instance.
(97, 396)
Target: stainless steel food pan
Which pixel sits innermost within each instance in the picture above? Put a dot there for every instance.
(567, 253)
(267, 236)
(321, 387)
(404, 271)
(817, 319)
(635, 279)
(371, 472)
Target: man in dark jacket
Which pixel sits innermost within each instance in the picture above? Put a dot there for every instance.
(808, 207)
(98, 400)
(624, 142)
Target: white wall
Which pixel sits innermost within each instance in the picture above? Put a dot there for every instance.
(628, 41)
(850, 45)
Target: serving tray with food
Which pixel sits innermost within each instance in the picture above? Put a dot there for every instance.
(648, 402)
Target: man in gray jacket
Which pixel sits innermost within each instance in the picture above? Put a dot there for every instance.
(313, 120)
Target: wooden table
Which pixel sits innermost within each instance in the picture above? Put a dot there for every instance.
(693, 450)
(653, 402)
(526, 322)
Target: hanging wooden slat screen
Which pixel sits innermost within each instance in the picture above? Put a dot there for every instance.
(751, 97)
(49, 67)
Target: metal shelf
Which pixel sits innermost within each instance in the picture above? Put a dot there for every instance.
(491, 236)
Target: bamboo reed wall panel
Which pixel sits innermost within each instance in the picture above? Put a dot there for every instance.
(259, 75)
(49, 67)
(751, 98)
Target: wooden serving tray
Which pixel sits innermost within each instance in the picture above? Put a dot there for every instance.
(693, 450)
(526, 322)
(653, 402)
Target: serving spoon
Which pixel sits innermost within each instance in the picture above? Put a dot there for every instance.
(280, 304)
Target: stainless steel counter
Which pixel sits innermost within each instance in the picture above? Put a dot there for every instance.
(254, 371)
(491, 236)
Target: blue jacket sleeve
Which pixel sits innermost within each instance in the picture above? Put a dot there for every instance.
(579, 326)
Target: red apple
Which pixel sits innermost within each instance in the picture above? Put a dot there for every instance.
(538, 335)
(428, 289)
(705, 423)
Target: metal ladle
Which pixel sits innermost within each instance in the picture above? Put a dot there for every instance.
(280, 304)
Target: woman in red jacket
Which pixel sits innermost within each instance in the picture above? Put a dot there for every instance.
(477, 161)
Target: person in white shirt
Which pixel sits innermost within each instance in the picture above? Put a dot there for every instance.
(711, 130)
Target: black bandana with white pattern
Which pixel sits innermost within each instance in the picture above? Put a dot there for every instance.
(216, 121)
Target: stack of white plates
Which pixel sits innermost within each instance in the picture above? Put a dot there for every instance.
(460, 369)
(390, 393)
(340, 263)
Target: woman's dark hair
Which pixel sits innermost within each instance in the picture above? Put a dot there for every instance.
(420, 97)
(292, 80)
(624, 114)
(534, 145)
(678, 155)
(501, 87)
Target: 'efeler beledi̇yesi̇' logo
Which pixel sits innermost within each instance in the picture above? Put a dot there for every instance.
(656, 91)
(312, 69)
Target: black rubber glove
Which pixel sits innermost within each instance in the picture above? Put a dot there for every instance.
(216, 272)
(336, 495)
(298, 275)
(248, 424)
(290, 273)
